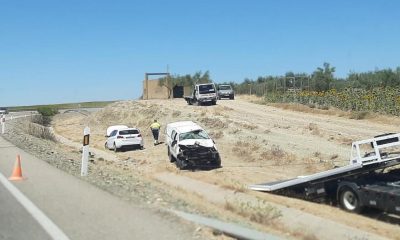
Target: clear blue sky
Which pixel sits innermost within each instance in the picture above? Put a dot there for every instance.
(81, 50)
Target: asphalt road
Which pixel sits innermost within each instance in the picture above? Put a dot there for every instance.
(78, 209)
(15, 221)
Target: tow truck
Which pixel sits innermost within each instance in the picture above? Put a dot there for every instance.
(371, 179)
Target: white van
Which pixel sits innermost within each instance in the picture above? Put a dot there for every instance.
(189, 146)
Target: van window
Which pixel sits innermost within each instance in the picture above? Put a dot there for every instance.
(204, 89)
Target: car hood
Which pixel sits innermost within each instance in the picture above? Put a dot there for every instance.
(201, 142)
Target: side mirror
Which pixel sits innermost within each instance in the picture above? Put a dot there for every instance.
(106, 136)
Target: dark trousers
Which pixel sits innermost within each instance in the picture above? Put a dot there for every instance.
(155, 133)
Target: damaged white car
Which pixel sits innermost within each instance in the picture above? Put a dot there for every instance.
(189, 146)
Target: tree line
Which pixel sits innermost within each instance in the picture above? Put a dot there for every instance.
(322, 79)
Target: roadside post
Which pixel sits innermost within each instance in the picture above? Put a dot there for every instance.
(3, 123)
(85, 152)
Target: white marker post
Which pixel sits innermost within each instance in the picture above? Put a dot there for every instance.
(85, 152)
(3, 124)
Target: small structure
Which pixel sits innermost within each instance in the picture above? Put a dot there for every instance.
(153, 90)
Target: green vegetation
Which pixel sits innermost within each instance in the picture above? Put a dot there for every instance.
(377, 91)
(63, 106)
(47, 111)
(185, 80)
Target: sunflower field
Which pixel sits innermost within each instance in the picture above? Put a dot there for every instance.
(379, 100)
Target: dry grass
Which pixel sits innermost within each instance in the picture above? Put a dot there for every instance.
(39, 131)
(176, 114)
(277, 155)
(217, 134)
(314, 129)
(246, 125)
(233, 185)
(214, 122)
(358, 115)
(235, 131)
(259, 212)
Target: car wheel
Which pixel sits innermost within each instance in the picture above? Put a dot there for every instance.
(349, 200)
(181, 164)
(105, 146)
(217, 162)
(214, 102)
(115, 148)
(232, 98)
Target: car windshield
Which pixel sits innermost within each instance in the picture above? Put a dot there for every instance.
(128, 132)
(224, 87)
(206, 89)
(198, 134)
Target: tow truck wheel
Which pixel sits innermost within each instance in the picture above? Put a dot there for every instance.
(349, 200)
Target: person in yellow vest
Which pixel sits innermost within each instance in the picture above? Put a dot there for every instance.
(155, 129)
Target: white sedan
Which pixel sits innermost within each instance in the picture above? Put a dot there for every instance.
(124, 137)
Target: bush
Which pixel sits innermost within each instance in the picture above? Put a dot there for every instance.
(47, 111)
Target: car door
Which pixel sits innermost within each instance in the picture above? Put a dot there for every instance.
(111, 139)
(174, 143)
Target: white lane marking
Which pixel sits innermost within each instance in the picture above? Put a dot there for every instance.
(41, 218)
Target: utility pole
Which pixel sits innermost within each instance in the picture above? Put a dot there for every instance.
(169, 84)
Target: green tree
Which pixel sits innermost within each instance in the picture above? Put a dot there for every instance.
(323, 77)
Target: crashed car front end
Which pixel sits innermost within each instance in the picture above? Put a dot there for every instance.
(197, 155)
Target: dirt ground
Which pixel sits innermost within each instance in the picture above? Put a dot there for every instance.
(257, 143)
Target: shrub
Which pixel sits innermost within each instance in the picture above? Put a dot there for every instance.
(47, 111)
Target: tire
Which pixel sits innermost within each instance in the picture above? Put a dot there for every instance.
(232, 97)
(181, 164)
(115, 148)
(105, 146)
(217, 162)
(190, 102)
(214, 102)
(349, 200)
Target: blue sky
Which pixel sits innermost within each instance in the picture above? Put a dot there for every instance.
(80, 50)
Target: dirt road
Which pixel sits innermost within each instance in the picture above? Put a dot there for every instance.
(258, 143)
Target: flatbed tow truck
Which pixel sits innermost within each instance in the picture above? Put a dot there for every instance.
(370, 180)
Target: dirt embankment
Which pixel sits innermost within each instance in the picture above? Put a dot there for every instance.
(257, 143)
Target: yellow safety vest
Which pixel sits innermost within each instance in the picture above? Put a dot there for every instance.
(155, 125)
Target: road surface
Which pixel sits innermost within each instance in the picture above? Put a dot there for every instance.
(80, 210)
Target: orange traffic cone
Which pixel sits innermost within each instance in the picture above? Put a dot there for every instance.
(17, 172)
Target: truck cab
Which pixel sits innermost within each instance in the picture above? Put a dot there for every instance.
(189, 146)
(203, 94)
